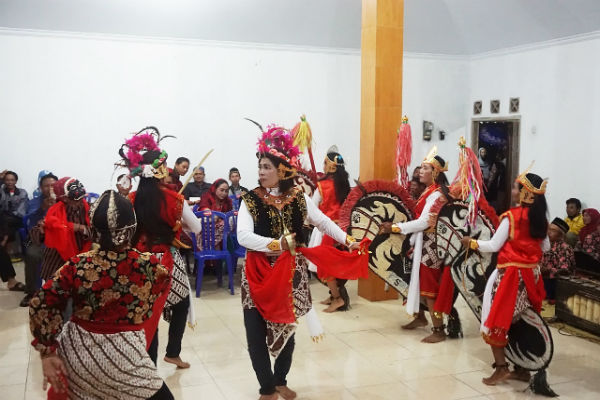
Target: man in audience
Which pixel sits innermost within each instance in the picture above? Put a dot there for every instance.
(235, 189)
(13, 205)
(194, 190)
(182, 164)
(559, 260)
(574, 219)
(34, 249)
(416, 188)
(124, 185)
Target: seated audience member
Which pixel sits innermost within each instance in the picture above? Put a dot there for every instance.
(66, 226)
(559, 260)
(13, 203)
(37, 192)
(124, 185)
(38, 206)
(182, 164)
(574, 219)
(194, 190)
(7, 271)
(587, 251)
(217, 198)
(235, 189)
(416, 188)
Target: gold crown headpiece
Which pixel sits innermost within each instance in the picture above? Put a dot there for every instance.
(523, 180)
(437, 165)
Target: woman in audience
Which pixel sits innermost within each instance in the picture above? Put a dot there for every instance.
(117, 293)
(217, 198)
(587, 250)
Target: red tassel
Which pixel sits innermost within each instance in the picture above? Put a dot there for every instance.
(403, 152)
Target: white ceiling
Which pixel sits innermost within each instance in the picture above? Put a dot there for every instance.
(459, 27)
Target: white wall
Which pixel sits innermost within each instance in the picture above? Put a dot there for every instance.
(435, 89)
(559, 90)
(68, 102)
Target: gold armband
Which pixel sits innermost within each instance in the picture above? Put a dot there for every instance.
(396, 229)
(275, 245)
(473, 244)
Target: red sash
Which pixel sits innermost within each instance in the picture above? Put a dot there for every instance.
(271, 286)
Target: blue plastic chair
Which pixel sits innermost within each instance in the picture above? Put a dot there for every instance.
(238, 251)
(91, 197)
(208, 219)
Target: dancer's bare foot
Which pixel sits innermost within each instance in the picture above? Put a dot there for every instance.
(286, 392)
(336, 303)
(273, 396)
(177, 361)
(438, 335)
(419, 321)
(327, 301)
(520, 374)
(501, 373)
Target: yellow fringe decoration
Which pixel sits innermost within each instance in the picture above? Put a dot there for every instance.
(302, 134)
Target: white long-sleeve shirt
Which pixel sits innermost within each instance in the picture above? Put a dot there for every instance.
(190, 222)
(501, 236)
(422, 223)
(252, 241)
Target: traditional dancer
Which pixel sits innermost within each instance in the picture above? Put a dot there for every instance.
(66, 226)
(427, 266)
(270, 221)
(516, 283)
(100, 352)
(161, 213)
(333, 189)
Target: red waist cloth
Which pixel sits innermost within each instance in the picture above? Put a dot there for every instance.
(429, 281)
(105, 328)
(443, 302)
(271, 286)
(503, 305)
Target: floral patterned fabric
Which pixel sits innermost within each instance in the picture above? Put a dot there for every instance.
(560, 259)
(107, 288)
(591, 245)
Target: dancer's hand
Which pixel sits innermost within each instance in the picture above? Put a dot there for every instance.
(53, 368)
(465, 241)
(385, 227)
(284, 243)
(353, 246)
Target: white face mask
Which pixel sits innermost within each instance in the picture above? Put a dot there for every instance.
(125, 182)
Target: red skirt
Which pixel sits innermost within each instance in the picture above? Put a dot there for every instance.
(429, 281)
(443, 302)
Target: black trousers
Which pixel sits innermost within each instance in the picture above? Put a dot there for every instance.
(7, 270)
(33, 261)
(256, 334)
(162, 394)
(176, 330)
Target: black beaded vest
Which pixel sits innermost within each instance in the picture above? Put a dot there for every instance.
(272, 213)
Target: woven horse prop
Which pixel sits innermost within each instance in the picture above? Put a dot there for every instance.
(366, 207)
(530, 343)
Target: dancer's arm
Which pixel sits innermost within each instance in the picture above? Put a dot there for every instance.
(250, 240)
(323, 223)
(190, 221)
(497, 241)
(422, 223)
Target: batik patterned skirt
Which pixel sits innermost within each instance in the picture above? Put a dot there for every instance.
(107, 366)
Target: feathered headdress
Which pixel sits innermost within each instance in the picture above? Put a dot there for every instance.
(403, 152)
(468, 183)
(279, 142)
(133, 150)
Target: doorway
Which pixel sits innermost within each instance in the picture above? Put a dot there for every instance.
(496, 143)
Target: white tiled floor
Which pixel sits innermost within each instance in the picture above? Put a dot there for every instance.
(365, 356)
